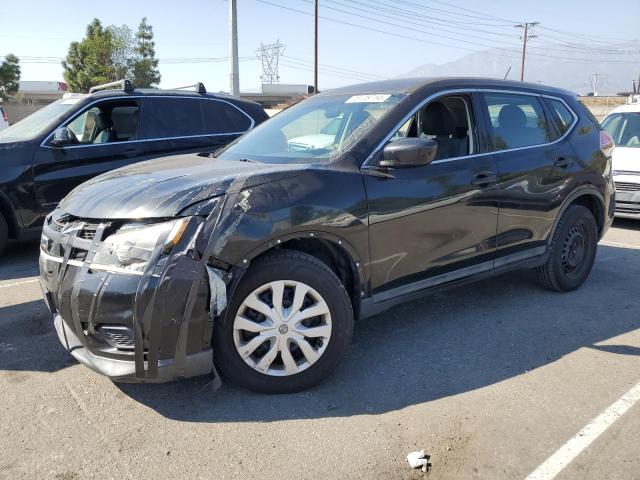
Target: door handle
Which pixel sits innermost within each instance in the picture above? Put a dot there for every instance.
(484, 179)
(563, 162)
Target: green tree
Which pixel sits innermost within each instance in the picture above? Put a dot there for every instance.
(145, 64)
(9, 75)
(123, 53)
(90, 61)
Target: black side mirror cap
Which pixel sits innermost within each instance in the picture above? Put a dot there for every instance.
(63, 136)
(409, 152)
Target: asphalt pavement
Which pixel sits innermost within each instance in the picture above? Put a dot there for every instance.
(492, 380)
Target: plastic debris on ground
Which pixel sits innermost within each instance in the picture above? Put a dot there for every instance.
(419, 460)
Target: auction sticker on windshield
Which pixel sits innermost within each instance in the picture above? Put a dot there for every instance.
(375, 98)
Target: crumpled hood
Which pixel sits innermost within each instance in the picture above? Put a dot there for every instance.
(164, 187)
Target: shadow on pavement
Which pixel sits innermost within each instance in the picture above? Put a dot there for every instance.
(627, 224)
(442, 345)
(19, 260)
(619, 349)
(28, 341)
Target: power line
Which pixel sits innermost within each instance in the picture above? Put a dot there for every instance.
(479, 15)
(329, 70)
(424, 32)
(402, 15)
(331, 67)
(376, 10)
(432, 42)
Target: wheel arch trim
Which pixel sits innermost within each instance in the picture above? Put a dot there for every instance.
(359, 268)
(583, 191)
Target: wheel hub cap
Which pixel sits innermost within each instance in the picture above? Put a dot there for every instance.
(282, 328)
(574, 250)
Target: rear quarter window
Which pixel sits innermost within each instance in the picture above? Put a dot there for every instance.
(222, 117)
(562, 116)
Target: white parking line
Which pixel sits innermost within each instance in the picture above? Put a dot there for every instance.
(617, 244)
(585, 437)
(15, 284)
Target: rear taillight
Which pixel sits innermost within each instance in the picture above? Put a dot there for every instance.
(606, 143)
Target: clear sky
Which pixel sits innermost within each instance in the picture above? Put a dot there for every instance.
(418, 32)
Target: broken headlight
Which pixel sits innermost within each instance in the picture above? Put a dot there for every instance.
(131, 247)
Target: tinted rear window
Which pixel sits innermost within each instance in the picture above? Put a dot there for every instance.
(173, 117)
(221, 117)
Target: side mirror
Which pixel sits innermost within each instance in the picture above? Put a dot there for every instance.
(63, 136)
(409, 152)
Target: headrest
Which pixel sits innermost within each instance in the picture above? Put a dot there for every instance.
(511, 116)
(436, 119)
(104, 120)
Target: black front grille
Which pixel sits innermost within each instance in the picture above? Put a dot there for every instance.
(118, 336)
(59, 223)
(88, 233)
(628, 187)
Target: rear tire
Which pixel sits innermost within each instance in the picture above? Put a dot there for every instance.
(4, 233)
(282, 346)
(572, 251)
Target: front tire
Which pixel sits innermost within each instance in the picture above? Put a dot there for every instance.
(287, 327)
(572, 251)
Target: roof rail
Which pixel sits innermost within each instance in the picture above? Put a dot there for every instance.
(198, 87)
(124, 84)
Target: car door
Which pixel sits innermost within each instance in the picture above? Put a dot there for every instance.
(107, 138)
(435, 223)
(534, 165)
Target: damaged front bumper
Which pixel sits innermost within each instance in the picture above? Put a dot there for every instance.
(124, 370)
(132, 326)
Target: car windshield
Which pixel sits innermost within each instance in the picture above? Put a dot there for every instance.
(313, 131)
(34, 125)
(624, 128)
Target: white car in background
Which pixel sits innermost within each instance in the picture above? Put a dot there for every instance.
(4, 120)
(623, 124)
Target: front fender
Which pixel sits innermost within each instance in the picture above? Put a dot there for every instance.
(320, 203)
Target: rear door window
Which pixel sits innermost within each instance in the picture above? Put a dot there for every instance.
(173, 117)
(221, 117)
(516, 120)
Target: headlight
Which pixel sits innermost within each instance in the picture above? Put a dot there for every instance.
(131, 247)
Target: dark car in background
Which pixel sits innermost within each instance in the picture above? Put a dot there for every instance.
(47, 154)
(258, 259)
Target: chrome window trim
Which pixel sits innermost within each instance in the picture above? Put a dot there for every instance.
(136, 97)
(432, 97)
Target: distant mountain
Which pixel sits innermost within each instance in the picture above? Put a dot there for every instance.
(572, 75)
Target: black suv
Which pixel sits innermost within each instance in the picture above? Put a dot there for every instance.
(258, 259)
(47, 154)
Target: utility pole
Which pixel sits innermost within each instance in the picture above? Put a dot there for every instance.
(233, 38)
(595, 82)
(527, 27)
(315, 49)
